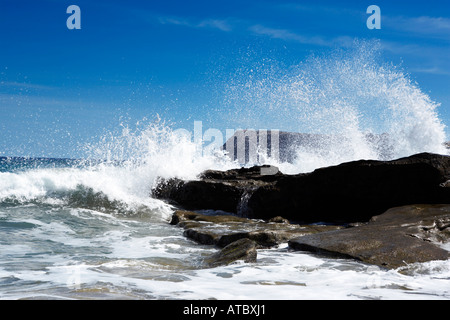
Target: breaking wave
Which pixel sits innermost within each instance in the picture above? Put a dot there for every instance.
(357, 106)
(360, 106)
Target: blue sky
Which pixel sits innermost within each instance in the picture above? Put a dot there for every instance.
(134, 59)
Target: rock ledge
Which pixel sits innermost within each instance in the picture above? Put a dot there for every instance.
(398, 237)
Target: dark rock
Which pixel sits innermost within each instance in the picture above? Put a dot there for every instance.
(242, 249)
(216, 190)
(354, 191)
(221, 230)
(209, 194)
(182, 217)
(278, 219)
(265, 173)
(400, 236)
(350, 192)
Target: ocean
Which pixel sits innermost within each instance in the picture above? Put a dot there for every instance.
(88, 228)
(80, 231)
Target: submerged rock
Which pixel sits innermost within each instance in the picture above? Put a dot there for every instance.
(398, 237)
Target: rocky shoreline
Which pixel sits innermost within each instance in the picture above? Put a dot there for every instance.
(386, 213)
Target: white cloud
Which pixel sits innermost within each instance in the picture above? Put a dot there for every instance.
(424, 25)
(431, 70)
(220, 24)
(425, 59)
(175, 21)
(288, 35)
(319, 9)
(223, 25)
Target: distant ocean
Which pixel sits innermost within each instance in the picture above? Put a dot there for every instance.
(89, 228)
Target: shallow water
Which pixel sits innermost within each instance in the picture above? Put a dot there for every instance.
(53, 252)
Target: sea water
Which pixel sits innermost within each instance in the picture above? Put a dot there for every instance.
(89, 228)
(62, 238)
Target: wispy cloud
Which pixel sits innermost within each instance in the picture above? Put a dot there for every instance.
(399, 30)
(428, 59)
(318, 9)
(438, 27)
(231, 24)
(250, 26)
(431, 70)
(285, 34)
(220, 24)
(429, 26)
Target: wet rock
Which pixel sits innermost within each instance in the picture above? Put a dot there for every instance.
(400, 236)
(242, 249)
(354, 191)
(216, 190)
(265, 173)
(182, 217)
(350, 192)
(221, 230)
(278, 219)
(200, 194)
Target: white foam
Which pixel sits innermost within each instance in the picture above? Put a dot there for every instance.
(141, 259)
(53, 186)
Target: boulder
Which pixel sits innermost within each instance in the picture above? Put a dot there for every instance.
(398, 237)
